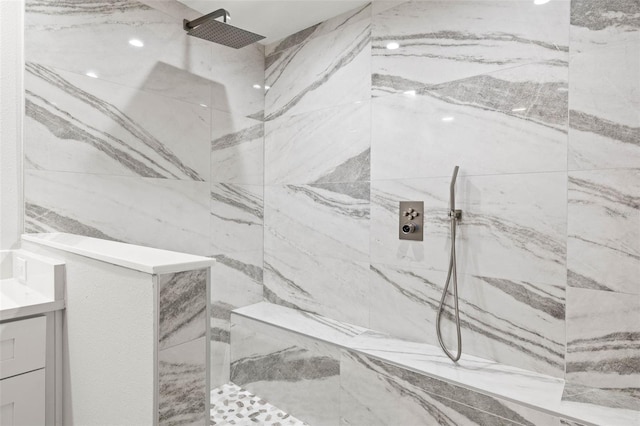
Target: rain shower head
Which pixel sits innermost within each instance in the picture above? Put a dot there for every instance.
(207, 28)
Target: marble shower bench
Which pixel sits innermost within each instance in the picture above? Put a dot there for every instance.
(309, 365)
(135, 334)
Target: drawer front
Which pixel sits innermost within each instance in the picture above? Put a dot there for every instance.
(23, 400)
(22, 346)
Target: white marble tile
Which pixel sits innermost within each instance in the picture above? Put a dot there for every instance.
(182, 307)
(514, 323)
(513, 226)
(590, 397)
(234, 72)
(511, 121)
(331, 287)
(471, 372)
(327, 71)
(602, 344)
(219, 364)
(603, 246)
(183, 390)
(237, 149)
(322, 28)
(87, 36)
(79, 124)
(327, 145)
(235, 281)
(323, 220)
(604, 105)
(597, 24)
(377, 393)
(445, 41)
(296, 373)
(159, 213)
(312, 325)
(236, 218)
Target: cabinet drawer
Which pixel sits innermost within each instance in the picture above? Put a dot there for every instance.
(22, 346)
(23, 399)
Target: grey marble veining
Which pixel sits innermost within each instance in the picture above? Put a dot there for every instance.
(377, 393)
(79, 124)
(443, 41)
(236, 218)
(182, 307)
(66, 35)
(322, 28)
(338, 73)
(605, 84)
(323, 285)
(596, 24)
(603, 246)
(512, 226)
(235, 281)
(237, 154)
(509, 121)
(514, 323)
(619, 398)
(162, 213)
(314, 326)
(321, 219)
(603, 343)
(183, 391)
(327, 145)
(298, 374)
(605, 98)
(317, 248)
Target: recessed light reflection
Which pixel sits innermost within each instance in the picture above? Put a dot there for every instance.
(541, 1)
(267, 87)
(518, 109)
(91, 74)
(135, 42)
(393, 45)
(448, 118)
(410, 93)
(257, 86)
(203, 105)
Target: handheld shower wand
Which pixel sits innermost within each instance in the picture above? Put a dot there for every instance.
(454, 216)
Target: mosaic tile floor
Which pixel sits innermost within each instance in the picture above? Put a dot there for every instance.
(232, 405)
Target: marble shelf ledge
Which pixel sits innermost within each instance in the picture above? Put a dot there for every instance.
(304, 323)
(526, 388)
(139, 258)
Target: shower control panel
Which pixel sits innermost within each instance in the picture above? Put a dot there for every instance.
(411, 220)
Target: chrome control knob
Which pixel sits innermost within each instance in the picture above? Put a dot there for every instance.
(408, 228)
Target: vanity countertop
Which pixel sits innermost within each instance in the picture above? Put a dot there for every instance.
(19, 300)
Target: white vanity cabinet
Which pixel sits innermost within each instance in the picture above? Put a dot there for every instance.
(22, 371)
(31, 304)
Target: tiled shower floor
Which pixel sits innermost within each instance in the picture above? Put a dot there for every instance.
(232, 405)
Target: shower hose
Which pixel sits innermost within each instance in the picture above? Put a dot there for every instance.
(452, 278)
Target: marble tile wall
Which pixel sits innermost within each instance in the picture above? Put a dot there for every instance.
(160, 145)
(352, 137)
(537, 104)
(603, 244)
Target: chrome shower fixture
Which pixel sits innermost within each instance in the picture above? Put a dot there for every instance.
(209, 28)
(454, 217)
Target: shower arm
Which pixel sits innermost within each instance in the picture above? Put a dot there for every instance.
(188, 25)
